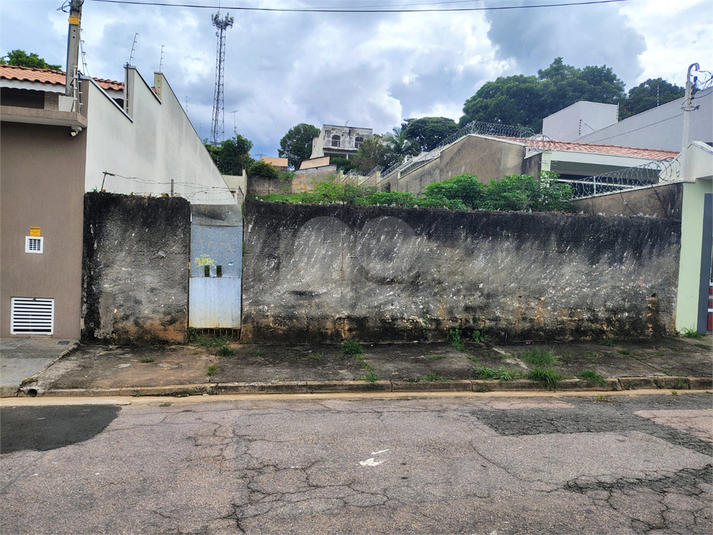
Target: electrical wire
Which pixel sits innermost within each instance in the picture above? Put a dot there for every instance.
(376, 9)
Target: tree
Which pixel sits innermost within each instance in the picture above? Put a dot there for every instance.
(232, 155)
(649, 94)
(429, 132)
(20, 58)
(526, 100)
(372, 153)
(296, 144)
(263, 169)
(399, 146)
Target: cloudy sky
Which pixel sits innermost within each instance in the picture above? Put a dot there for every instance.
(364, 69)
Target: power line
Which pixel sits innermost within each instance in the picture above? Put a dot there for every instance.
(376, 9)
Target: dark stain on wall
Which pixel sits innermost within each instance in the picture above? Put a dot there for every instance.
(135, 269)
(330, 273)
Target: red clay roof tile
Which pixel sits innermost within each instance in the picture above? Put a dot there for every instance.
(47, 76)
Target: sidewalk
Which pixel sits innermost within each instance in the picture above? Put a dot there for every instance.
(23, 358)
(214, 367)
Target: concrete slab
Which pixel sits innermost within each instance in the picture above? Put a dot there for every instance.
(24, 357)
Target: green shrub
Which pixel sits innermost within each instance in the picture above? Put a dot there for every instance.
(691, 333)
(264, 169)
(501, 374)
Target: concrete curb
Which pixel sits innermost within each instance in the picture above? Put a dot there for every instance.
(322, 387)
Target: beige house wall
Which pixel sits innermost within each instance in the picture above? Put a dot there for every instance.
(487, 158)
(55, 203)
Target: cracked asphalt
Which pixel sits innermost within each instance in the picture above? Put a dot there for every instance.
(479, 465)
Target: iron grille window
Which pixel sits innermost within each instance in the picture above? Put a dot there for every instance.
(34, 244)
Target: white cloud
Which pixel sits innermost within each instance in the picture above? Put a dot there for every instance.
(369, 69)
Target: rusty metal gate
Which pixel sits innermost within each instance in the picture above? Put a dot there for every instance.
(216, 267)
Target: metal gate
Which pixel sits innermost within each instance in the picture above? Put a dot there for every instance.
(214, 300)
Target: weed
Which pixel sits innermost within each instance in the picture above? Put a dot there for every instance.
(681, 384)
(691, 333)
(607, 342)
(191, 334)
(166, 404)
(625, 352)
(592, 356)
(371, 377)
(480, 335)
(210, 342)
(147, 360)
(546, 376)
(661, 353)
(674, 393)
(501, 374)
(352, 348)
(703, 346)
(136, 394)
(592, 376)
(453, 338)
(225, 351)
(433, 378)
(212, 370)
(601, 399)
(538, 357)
(315, 356)
(483, 389)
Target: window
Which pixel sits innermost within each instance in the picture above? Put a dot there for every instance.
(34, 244)
(358, 141)
(335, 140)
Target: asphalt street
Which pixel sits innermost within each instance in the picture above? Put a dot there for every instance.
(481, 465)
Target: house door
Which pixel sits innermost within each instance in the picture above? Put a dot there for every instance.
(214, 300)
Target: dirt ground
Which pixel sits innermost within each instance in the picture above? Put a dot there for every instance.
(217, 361)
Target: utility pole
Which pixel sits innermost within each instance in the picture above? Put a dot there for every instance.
(218, 127)
(687, 108)
(73, 43)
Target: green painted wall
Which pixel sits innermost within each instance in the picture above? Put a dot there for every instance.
(689, 274)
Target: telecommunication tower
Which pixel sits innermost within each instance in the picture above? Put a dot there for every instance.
(217, 129)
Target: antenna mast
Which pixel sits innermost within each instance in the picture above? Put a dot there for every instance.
(217, 130)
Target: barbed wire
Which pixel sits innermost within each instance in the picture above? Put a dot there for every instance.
(646, 175)
(194, 190)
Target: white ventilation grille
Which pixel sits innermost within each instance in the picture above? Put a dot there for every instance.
(34, 244)
(32, 315)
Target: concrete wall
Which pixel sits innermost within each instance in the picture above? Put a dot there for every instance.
(260, 185)
(579, 119)
(136, 258)
(148, 147)
(378, 273)
(305, 180)
(664, 201)
(660, 127)
(42, 185)
(485, 157)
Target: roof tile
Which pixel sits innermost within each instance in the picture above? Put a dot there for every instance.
(47, 76)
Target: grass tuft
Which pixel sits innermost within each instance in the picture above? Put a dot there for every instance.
(691, 333)
(592, 377)
(352, 348)
(212, 370)
(226, 351)
(501, 374)
(147, 360)
(546, 376)
(538, 357)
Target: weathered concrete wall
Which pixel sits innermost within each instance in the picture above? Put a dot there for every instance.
(305, 180)
(663, 201)
(136, 258)
(260, 185)
(380, 273)
(485, 157)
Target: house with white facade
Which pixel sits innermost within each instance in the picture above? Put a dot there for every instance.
(127, 137)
